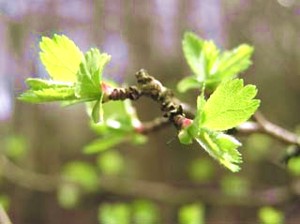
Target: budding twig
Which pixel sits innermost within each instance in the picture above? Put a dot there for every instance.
(175, 111)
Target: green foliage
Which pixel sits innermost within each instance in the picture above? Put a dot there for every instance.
(61, 57)
(270, 215)
(294, 166)
(79, 178)
(235, 186)
(4, 201)
(42, 91)
(138, 212)
(201, 170)
(15, 146)
(89, 76)
(75, 77)
(81, 173)
(230, 105)
(210, 66)
(114, 213)
(257, 147)
(68, 195)
(110, 163)
(118, 126)
(144, 212)
(192, 214)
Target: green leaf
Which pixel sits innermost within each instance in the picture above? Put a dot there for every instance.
(68, 195)
(81, 173)
(209, 65)
(97, 112)
(201, 170)
(145, 212)
(114, 213)
(48, 95)
(270, 215)
(39, 84)
(15, 146)
(47, 91)
(111, 163)
(192, 49)
(89, 76)
(222, 147)
(187, 83)
(233, 62)
(294, 166)
(61, 57)
(231, 104)
(104, 143)
(192, 214)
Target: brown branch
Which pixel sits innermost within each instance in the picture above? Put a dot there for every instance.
(161, 192)
(150, 87)
(26, 178)
(276, 131)
(176, 111)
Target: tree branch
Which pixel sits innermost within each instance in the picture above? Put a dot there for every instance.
(176, 112)
(160, 192)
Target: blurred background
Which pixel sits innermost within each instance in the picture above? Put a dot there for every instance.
(160, 181)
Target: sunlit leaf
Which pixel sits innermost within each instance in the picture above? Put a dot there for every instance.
(270, 215)
(222, 147)
(233, 62)
(89, 76)
(192, 49)
(210, 66)
(48, 95)
(61, 57)
(231, 104)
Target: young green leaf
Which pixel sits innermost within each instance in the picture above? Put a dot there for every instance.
(187, 83)
(48, 95)
(230, 63)
(105, 143)
(222, 147)
(209, 65)
(200, 55)
(231, 104)
(38, 84)
(61, 57)
(89, 76)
